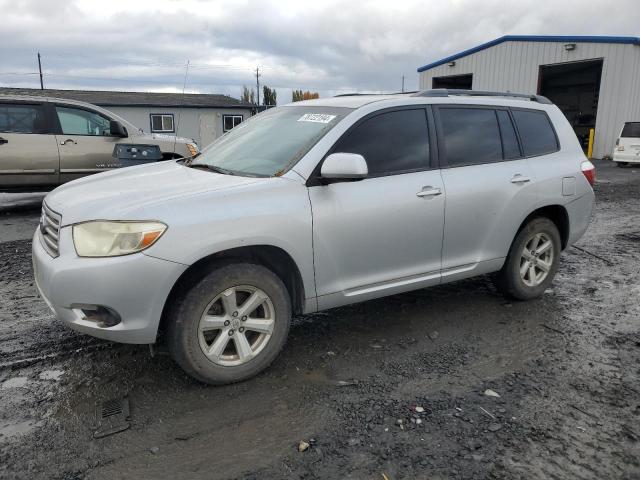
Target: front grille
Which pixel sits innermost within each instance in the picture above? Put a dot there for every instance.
(50, 230)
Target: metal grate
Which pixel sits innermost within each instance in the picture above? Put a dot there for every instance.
(112, 417)
(50, 230)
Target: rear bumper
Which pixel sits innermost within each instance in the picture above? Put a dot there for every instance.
(135, 286)
(626, 157)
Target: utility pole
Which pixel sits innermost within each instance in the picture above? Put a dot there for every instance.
(40, 68)
(402, 83)
(258, 85)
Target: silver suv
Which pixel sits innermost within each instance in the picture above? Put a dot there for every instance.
(311, 206)
(45, 142)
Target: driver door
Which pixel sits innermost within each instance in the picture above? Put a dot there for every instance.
(85, 142)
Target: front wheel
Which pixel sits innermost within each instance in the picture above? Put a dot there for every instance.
(231, 325)
(532, 261)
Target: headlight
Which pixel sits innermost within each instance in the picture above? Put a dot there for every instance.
(109, 239)
(193, 149)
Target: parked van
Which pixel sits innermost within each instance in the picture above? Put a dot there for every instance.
(310, 206)
(45, 142)
(627, 149)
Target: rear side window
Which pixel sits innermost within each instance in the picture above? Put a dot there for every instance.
(391, 142)
(536, 133)
(19, 118)
(471, 136)
(510, 146)
(631, 130)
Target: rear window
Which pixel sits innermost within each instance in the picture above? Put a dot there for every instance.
(631, 130)
(536, 133)
(21, 118)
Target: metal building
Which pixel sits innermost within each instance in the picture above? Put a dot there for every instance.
(595, 81)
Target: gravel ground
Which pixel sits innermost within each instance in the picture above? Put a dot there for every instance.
(391, 388)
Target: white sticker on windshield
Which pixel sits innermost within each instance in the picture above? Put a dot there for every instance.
(316, 118)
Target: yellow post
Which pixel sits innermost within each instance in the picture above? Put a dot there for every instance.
(590, 148)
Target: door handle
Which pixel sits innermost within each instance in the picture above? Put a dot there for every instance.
(429, 192)
(517, 178)
(3, 141)
(64, 142)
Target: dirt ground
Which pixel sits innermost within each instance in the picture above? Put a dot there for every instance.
(566, 368)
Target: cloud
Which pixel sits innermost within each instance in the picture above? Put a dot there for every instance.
(328, 46)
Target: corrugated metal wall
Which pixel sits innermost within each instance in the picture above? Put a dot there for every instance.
(514, 66)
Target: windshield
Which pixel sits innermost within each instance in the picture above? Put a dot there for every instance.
(272, 141)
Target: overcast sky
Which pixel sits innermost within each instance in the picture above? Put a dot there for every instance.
(326, 46)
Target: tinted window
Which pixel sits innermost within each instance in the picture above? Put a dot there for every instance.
(17, 118)
(536, 132)
(75, 121)
(510, 146)
(391, 142)
(631, 130)
(471, 136)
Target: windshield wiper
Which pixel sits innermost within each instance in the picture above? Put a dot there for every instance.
(212, 168)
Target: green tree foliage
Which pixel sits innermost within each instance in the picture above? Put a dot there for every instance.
(268, 96)
(299, 95)
(248, 95)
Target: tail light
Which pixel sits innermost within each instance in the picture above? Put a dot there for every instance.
(589, 171)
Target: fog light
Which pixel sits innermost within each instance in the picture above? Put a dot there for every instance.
(104, 317)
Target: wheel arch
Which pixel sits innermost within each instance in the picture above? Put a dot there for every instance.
(557, 214)
(274, 258)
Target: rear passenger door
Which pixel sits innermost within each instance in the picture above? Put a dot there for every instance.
(28, 150)
(489, 185)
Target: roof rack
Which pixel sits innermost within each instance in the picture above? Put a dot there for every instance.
(371, 94)
(447, 92)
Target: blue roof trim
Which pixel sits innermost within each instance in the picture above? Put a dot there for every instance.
(533, 38)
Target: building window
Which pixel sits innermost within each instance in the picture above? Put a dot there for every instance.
(162, 123)
(230, 121)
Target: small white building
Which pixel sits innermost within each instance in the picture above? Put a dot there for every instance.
(202, 117)
(594, 80)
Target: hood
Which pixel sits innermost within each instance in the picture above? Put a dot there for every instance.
(130, 193)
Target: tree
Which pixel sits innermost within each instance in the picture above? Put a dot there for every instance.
(298, 95)
(269, 96)
(248, 95)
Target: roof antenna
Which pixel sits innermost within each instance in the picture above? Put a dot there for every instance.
(184, 87)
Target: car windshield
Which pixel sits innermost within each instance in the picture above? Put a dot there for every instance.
(631, 130)
(271, 142)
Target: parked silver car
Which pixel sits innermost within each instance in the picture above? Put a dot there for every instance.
(45, 142)
(311, 206)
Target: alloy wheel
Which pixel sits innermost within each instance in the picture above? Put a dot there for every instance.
(536, 259)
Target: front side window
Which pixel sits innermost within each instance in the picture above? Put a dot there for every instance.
(21, 118)
(162, 123)
(392, 142)
(471, 136)
(269, 143)
(230, 121)
(536, 133)
(76, 121)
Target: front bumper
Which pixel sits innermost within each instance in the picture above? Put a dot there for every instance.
(135, 286)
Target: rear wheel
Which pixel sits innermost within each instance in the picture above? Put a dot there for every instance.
(532, 261)
(230, 325)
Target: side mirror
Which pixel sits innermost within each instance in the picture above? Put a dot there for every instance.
(117, 129)
(344, 166)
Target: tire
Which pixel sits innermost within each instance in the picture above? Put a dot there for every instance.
(240, 281)
(622, 164)
(532, 284)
